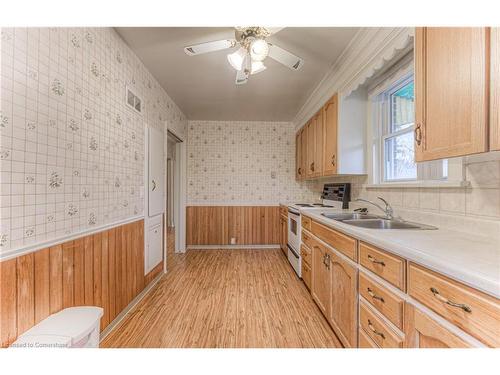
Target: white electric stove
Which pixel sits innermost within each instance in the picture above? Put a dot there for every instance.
(335, 196)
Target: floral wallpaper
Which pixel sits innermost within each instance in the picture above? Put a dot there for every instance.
(243, 162)
(71, 150)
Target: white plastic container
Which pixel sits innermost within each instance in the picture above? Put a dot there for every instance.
(74, 327)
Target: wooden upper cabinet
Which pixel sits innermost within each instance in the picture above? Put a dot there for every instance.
(344, 299)
(330, 120)
(321, 278)
(310, 130)
(451, 91)
(495, 90)
(318, 133)
(298, 156)
(423, 332)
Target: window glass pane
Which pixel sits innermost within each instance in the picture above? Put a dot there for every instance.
(399, 157)
(402, 108)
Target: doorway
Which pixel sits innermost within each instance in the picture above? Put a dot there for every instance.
(173, 196)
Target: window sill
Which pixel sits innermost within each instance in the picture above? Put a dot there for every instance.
(421, 184)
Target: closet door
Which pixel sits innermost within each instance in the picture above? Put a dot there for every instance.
(156, 167)
(451, 91)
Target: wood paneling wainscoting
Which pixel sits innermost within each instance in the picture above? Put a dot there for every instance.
(216, 225)
(104, 269)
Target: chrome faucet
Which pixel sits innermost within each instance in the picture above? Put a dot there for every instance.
(388, 210)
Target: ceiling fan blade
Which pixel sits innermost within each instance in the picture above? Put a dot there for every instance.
(284, 57)
(198, 49)
(243, 74)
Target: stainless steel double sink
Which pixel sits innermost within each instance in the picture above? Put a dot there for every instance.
(374, 221)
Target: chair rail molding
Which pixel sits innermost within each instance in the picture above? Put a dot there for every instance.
(365, 54)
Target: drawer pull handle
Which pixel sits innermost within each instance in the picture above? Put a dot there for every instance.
(374, 296)
(451, 303)
(375, 261)
(372, 328)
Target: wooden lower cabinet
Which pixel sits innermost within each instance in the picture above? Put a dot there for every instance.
(423, 332)
(378, 330)
(284, 234)
(306, 274)
(321, 277)
(365, 342)
(344, 299)
(470, 310)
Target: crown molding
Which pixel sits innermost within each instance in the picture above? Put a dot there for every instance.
(365, 53)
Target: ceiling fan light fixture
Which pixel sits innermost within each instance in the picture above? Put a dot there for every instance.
(236, 58)
(257, 67)
(259, 49)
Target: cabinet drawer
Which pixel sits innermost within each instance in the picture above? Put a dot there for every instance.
(305, 222)
(306, 255)
(387, 266)
(306, 239)
(475, 312)
(345, 244)
(386, 302)
(377, 329)
(306, 274)
(365, 341)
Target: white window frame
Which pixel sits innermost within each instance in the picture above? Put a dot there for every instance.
(395, 85)
(376, 158)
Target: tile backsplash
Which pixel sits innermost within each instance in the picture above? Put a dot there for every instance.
(243, 162)
(72, 152)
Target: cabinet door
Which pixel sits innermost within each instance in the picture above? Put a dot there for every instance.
(321, 280)
(495, 90)
(311, 147)
(303, 161)
(451, 92)
(298, 155)
(283, 234)
(318, 133)
(330, 118)
(344, 300)
(423, 332)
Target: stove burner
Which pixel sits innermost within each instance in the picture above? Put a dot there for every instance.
(303, 204)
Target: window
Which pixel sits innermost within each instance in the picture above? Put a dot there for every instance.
(393, 110)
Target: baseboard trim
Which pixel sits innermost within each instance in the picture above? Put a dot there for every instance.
(129, 307)
(214, 247)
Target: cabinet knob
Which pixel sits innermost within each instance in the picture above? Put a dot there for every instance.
(418, 134)
(333, 159)
(312, 166)
(299, 171)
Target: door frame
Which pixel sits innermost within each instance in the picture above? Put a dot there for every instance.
(180, 192)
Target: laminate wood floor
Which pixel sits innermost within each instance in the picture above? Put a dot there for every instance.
(226, 299)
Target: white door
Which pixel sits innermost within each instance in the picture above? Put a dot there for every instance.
(156, 172)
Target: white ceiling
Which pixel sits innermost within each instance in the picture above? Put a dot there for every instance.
(203, 86)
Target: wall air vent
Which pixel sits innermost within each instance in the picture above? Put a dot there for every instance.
(133, 100)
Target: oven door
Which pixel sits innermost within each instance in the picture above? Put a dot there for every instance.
(294, 229)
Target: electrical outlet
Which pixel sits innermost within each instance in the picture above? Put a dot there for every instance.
(233, 241)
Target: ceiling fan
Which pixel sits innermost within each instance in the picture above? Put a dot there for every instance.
(253, 48)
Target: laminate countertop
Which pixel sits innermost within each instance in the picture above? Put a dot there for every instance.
(473, 260)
